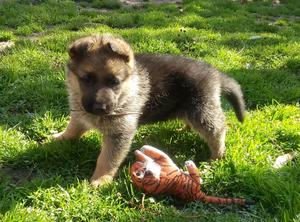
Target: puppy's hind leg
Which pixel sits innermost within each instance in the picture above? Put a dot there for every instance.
(73, 131)
(210, 123)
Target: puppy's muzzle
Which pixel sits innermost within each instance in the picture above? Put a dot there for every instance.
(100, 108)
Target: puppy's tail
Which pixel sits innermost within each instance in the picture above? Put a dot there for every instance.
(232, 91)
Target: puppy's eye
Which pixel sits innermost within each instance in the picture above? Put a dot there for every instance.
(112, 81)
(88, 79)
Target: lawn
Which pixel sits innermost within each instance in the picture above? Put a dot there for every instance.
(256, 43)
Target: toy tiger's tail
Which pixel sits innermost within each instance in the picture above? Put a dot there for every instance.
(218, 200)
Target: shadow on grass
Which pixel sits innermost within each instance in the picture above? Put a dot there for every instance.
(51, 164)
(65, 164)
(46, 165)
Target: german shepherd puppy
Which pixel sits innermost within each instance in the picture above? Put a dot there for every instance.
(115, 91)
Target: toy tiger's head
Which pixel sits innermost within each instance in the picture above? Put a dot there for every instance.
(153, 170)
(137, 172)
(145, 174)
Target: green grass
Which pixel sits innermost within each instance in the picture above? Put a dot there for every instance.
(42, 180)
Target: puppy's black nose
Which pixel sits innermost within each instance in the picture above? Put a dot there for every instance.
(99, 108)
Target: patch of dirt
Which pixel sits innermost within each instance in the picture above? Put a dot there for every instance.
(98, 10)
(33, 37)
(17, 175)
(141, 2)
(130, 3)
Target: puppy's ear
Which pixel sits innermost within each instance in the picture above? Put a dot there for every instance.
(78, 49)
(81, 47)
(119, 48)
(119, 51)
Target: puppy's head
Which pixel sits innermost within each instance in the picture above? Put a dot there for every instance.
(100, 69)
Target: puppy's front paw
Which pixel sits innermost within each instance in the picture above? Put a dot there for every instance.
(58, 136)
(103, 180)
(217, 155)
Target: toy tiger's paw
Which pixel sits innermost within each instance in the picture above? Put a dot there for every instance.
(189, 164)
(158, 156)
(193, 171)
(143, 148)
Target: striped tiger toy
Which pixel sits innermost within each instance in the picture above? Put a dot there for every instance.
(155, 173)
